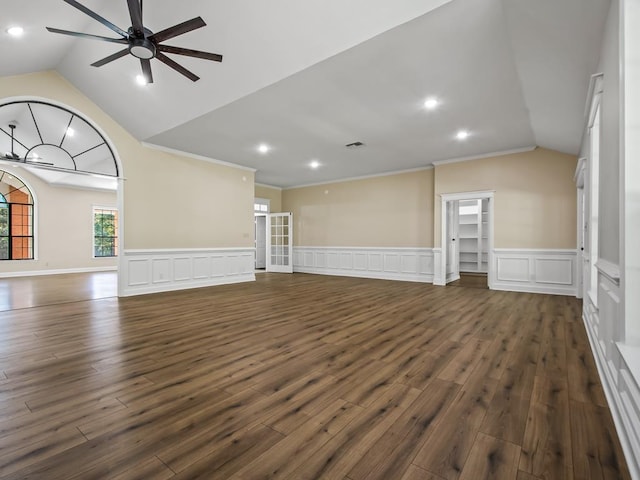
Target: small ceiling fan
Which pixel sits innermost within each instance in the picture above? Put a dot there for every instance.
(142, 43)
(13, 156)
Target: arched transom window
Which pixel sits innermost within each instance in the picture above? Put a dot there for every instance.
(45, 136)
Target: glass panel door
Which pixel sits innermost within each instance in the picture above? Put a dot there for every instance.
(279, 242)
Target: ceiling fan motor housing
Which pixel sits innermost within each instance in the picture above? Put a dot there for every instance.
(142, 48)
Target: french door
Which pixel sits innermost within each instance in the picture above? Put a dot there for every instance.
(280, 242)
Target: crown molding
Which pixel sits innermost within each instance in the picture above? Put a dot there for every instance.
(485, 155)
(195, 156)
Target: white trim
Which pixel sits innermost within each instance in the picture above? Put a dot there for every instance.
(578, 176)
(362, 177)
(468, 195)
(609, 270)
(195, 156)
(445, 198)
(534, 251)
(264, 185)
(61, 271)
(386, 263)
(529, 148)
(162, 270)
(550, 271)
(170, 251)
(615, 368)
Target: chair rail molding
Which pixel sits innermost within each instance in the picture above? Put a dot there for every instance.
(163, 270)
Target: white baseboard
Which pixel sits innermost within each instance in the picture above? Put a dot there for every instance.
(535, 271)
(59, 271)
(604, 324)
(405, 264)
(154, 271)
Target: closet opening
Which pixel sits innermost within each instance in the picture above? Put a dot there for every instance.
(467, 239)
(473, 242)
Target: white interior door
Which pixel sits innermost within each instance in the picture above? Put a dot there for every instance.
(453, 254)
(261, 241)
(280, 242)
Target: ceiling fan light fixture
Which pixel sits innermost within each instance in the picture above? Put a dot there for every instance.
(141, 80)
(142, 48)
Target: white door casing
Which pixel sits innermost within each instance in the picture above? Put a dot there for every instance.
(453, 251)
(261, 241)
(447, 202)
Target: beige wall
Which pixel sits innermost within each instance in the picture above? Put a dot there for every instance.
(388, 211)
(535, 196)
(179, 202)
(170, 201)
(64, 227)
(273, 194)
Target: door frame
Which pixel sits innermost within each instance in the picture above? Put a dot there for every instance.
(453, 234)
(264, 244)
(446, 202)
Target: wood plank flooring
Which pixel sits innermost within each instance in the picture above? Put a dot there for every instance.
(304, 377)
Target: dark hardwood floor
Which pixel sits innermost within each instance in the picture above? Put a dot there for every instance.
(26, 292)
(304, 377)
(471, 280)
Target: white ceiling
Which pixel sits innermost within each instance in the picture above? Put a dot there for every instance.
(309, 77)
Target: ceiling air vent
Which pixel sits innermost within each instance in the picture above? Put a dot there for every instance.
(354, 145)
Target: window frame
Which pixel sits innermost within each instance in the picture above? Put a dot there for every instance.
(31, 220)
(97, 209)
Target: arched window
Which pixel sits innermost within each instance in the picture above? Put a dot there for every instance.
(16, 219)
(45, 137)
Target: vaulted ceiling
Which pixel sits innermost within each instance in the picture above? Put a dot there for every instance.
(307, 78)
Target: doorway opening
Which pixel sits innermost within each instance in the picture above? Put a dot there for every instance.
(261, 208)
(467, 239)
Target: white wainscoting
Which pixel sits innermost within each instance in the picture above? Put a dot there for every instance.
(151, 271)
(617, 363)
(409, 264)
(535, 271)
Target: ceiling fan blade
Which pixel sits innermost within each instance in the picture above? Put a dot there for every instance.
(87, 35)
(177, 67)
(110, 58)
(190, 53)
(135, 12)
(178, 29)
(146, 69)
(97, 17)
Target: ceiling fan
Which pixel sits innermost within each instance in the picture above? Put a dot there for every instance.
(142, 43)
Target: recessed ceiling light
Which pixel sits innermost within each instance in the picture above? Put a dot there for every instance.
(141, 80)
(462, 134)
(71, 132)
(431, 103)
(314, 164)
(264, 148)
(15, 31)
